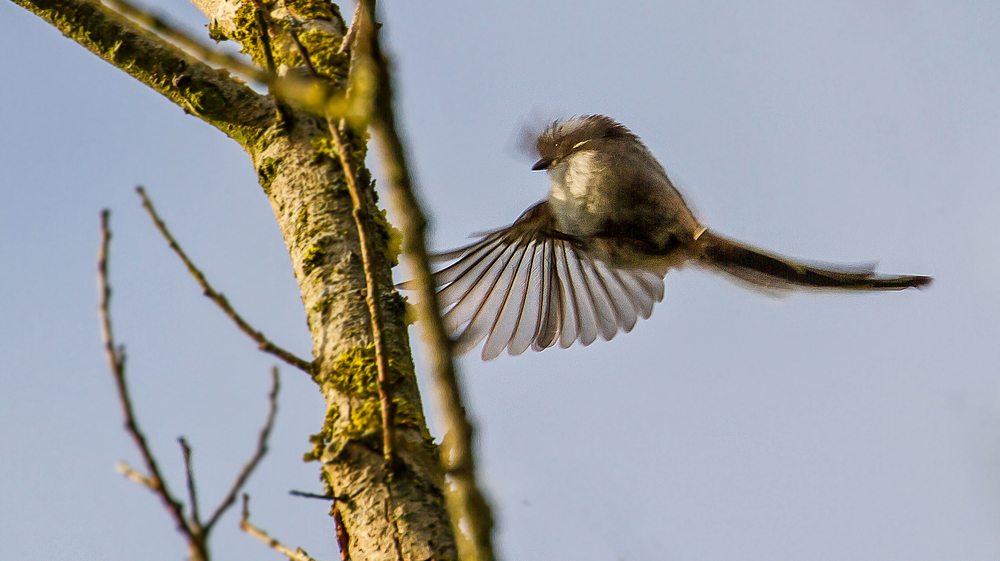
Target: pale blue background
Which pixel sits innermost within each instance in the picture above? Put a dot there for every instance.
(728, 426)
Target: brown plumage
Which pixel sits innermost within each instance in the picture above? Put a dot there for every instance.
(590, 260)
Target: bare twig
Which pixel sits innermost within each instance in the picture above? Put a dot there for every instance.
(189, 476)
(306, 61)
(470, 512)
(372, 298)
(131, 474)
(265, 433)
(362, 222)
(352, 33)
(263, 22)
(246, 526)
(116, 361)
(263, 343)
(194, 531)
(317, 96)
(308, 495)
(167, 30)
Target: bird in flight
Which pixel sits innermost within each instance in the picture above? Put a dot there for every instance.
(590, 259)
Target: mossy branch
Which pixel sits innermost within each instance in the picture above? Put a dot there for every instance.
(471, 516)
(210, 94)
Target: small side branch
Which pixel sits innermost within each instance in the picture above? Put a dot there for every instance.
(372, 296)
(470, 512)
(246, 526)
(258, 455)
(169, 31)
(263, 343)
(190, 526)
(361, 221)
(230, 105)
(116, 361)
(308, 495)
(189, 476)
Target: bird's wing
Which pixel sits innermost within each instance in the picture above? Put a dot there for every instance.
(529, 285)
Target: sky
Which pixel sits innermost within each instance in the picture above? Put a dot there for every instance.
(728, 426)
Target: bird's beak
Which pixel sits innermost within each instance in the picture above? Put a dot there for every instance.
(544, 163)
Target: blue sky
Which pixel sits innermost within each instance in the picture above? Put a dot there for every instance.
(727, 426)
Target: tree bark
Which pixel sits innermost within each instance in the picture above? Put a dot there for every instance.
(387, 516)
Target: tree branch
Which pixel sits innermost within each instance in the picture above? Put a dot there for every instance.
(194, 532)
(246, 526)
(466, 503)
(189, 476)
(265, 433)
(308, 193)
(166, 29)
(361, 214)
(343, 540)
(199, 89)
(116, 361)
(263, 343)
(361, 221)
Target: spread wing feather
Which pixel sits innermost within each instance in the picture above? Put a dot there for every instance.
(531, 286)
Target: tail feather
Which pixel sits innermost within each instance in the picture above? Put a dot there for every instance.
(772, 272)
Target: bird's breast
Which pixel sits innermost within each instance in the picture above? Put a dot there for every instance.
(572, 194)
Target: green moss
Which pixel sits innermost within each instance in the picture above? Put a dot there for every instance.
(324, 54)
(392, 238)
(323, 148)
(366, 420)
(313, 9)
(365, 423)
(266, 173)
(248, 33)
(320, 440)
(322, 47)
(215, 32)
(355, 372)
(322, 305)
(314, 257)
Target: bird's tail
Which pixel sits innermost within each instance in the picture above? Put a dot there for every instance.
(774, 273)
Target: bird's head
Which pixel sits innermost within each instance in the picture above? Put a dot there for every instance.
(563, 138)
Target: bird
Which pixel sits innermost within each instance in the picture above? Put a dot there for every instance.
(590, 259)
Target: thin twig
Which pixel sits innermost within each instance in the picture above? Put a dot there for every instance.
(306, 61)
(470, 512)
(131, 474)
(315, 95)
(372, 297)
(362, 222)
(189, 475)
(308, 495)
(263, 343)
(116, 361)
(263, 20)
(352, 33)
(246, 526)
(265, 433)
(202, 50)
